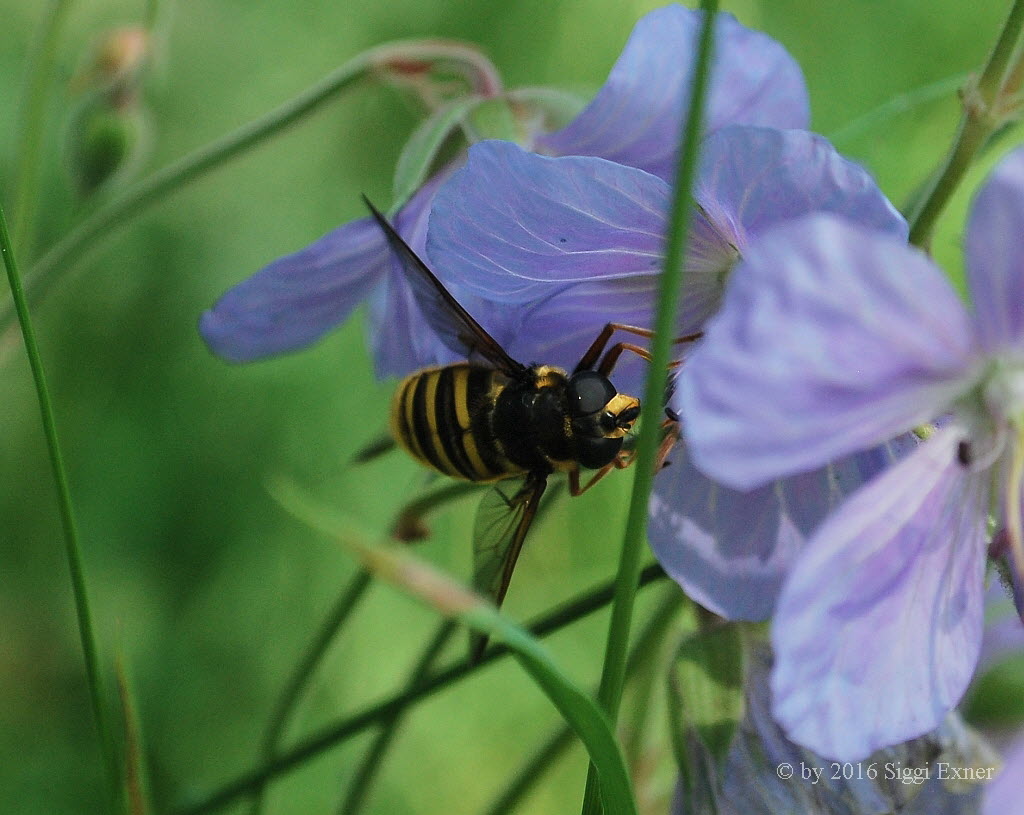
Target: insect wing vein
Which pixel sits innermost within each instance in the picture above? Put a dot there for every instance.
(456, 326)
(502, 521)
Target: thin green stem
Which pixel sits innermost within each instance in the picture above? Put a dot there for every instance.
(150, 190)
(371, 762)
(641, 666)
(30, 134)
(988, 104)
(307, 665)
(151, 14)
(1005, 53)
(899, 104)
(613, 674)
(67, 515)
(332, 735)
(560, 740)
(643, 650)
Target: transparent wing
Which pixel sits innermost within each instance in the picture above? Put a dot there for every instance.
(502, 521)
(453, 324)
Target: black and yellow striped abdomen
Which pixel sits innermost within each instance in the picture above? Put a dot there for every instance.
(442, 416)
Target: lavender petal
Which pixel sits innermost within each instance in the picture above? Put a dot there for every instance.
(878, 628)
(634, 119)
(995, 263)
(831, 339)
(298, 298)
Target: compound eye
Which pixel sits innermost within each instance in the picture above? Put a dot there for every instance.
(594, 453)
(589, 392)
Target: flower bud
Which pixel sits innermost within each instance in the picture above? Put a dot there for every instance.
(105, 140)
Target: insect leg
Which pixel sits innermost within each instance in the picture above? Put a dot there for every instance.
(599, 343)
(670, 431)
(611, 359)
(620, 462)
(596, 347)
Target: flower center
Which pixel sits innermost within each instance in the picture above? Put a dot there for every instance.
(1003, 392)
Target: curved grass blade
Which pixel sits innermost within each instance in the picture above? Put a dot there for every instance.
(331, 735)
(399, 567)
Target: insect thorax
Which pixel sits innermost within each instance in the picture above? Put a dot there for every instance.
(530, 420)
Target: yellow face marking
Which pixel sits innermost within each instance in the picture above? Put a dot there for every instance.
(616, 406)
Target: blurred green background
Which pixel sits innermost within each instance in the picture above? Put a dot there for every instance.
(209, 589)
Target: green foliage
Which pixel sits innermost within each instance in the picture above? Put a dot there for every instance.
(212, 590)
(706, 696)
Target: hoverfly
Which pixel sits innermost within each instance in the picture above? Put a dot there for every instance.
(499, 421)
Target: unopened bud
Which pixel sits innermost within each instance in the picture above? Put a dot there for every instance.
(105, 141)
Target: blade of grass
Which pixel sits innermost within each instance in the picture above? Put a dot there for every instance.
(134, 790)
(614, 669)
(331, 735)
(67, 515)
(898, 105)
(413, 575)
(643, 651)
(30, 133)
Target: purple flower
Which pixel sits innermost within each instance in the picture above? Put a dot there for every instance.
(1003, 794)
(297, 299)
(765, 772)
(576, 242)
(634, 120)
(1003, 637)
(833, 338)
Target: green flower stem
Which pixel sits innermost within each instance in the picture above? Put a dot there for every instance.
(613, 674)
(30, 134)
(307, 665)
(988, 104)
(561, 739)
(67, 516)
(163, 182)
(356, 796)
(334, 734)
